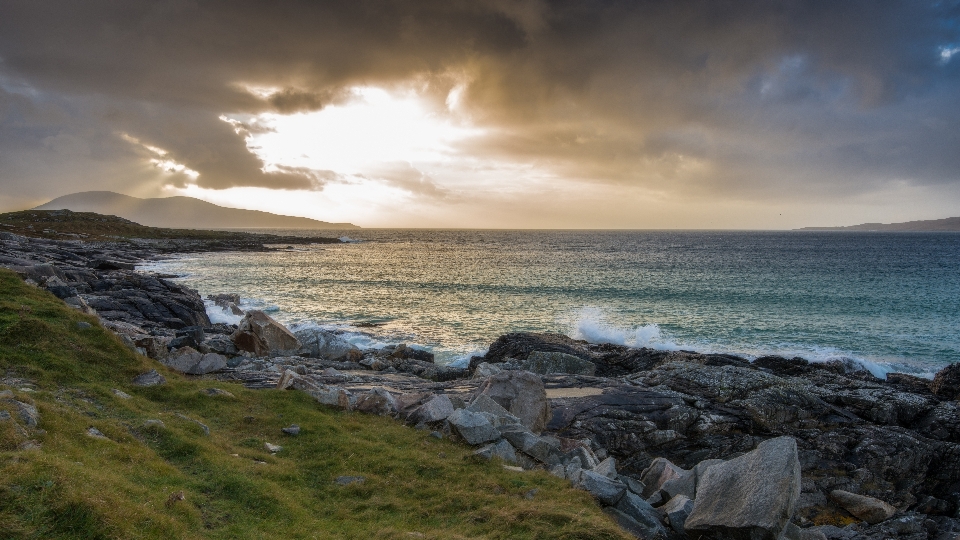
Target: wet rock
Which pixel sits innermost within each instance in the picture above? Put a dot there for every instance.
(868, 509)
(485, 370)
(323, 344)
(522, 394)
(946, 383)
(150, 378)
(260, 334)
(543, 362)
(749, 497)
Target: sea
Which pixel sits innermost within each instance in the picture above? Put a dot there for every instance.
(888, 301)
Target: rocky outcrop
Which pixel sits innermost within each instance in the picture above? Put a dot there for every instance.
(259, 334)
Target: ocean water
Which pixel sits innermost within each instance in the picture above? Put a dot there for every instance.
(888, 300)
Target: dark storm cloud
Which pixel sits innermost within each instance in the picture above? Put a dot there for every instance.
(749, 98)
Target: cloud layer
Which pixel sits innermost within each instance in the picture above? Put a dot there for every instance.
(749, 102)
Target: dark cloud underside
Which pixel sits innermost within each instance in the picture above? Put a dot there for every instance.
(752, 99)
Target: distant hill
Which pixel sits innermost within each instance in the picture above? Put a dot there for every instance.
(930, 225)
(181, 212)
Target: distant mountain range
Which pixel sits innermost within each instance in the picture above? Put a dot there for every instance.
(930, 225)
(181, 212)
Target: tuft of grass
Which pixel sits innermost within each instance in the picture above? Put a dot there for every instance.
(174, 481)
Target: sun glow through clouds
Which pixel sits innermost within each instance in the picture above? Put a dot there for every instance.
(373, 126)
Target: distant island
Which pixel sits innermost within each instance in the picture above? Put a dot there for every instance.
(929, 225)
(181, 212)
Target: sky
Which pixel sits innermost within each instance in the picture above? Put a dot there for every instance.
(720, 114)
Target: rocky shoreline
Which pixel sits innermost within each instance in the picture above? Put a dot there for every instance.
(673, 444)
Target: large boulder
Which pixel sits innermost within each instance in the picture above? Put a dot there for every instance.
(260, 334)
(319, 343)
(475, 428)
(751, 497)
(522, 394)
(187, 360)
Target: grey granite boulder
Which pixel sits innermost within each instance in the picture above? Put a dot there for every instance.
(188, 360)
(676, 511)
(260, 334)
(475, 428)
(868, 509)
(485, 404)
(522, 394)
(659, 472)
(376, 401)
(436, 409)
(751, 497)
(544, 362)
(209, 363)
(501, 449)
(319, 343)
(607, 491)
(644, 514)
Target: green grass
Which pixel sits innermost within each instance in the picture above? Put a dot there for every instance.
(77, 486)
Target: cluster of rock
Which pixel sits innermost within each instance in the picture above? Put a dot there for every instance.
(674, 444)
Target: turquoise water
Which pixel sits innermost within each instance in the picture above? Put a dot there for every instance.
(889, 300)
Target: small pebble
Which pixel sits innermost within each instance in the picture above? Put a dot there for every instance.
(347, 480)
(158, 423)
(83, 325)
(513, 468)
(218, 392)
(531, 494)
(121, 394)
(293, 429)
(96, 434)
(272, 448)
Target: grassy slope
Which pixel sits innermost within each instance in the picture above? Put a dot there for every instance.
(80, 487)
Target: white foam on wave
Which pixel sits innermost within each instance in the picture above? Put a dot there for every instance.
(347, 240)
(591, 325)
